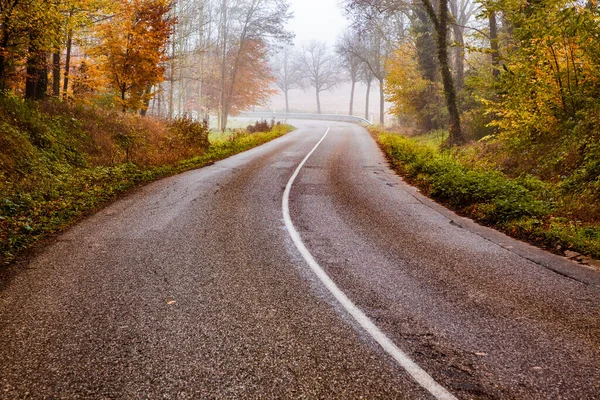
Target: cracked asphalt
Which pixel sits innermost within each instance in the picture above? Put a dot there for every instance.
(191, 288)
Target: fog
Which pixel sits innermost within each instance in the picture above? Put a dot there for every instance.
(324, 21)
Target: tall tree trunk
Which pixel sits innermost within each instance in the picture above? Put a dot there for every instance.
(352, 97)
(223, 123)
(172, 68)
(56, 73)
(67, 63)
(381, 102)
(36, 82)
(494, 43)
(200, 105)
(172, 85)
(367, 100)
(3, 59)
(459, 62)
(287, 102)
(124, 108)
(2, 70)
(318, 102)
(440, 23)
(160, 97)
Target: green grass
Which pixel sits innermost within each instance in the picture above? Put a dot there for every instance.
(526, 207)
(46, 187)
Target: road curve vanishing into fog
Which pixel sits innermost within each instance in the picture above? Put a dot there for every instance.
(196, 287)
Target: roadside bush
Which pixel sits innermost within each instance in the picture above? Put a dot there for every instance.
(262, 126)
(190, 133)
(525, 207)
(499, 199)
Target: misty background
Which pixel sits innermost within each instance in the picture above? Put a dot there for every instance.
(323, 21)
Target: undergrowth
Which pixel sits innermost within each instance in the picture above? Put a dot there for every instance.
(525, 207)
(59, 162)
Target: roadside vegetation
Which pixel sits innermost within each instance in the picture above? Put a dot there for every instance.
(60, 161)
(550, 214)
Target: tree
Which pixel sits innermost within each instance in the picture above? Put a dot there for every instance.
(287, 73)
(440, 19)
(366, 76)
(462, 11)
(350, 62)
(244, 24)
(131, 48)
(252, 85)
(319, 68)
(371, 51)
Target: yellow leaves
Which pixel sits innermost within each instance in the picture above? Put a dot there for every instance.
(131, 48)
(405, 88)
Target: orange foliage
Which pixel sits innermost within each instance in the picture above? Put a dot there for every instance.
(248, 70)
(132, 47)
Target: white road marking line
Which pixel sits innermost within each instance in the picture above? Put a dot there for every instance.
(417, 373)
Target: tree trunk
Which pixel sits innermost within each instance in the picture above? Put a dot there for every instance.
(56, 74)
(3, 60)
(67, 63)
(381, 102)
(223, 124)
(200, 105)
(459, 62)
(287, 102)
(2, 70)
(124, 108)
(159, 101)
(367, 100)
(36, 82)
(440, 23)
(172, 74)
(494, 43)
(318, 103)
(352, 97)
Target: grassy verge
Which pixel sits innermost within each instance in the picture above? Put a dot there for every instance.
(526, 208)
(43, 192)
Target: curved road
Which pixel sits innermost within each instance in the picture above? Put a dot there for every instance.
(192, 287)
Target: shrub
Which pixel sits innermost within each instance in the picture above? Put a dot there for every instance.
(525, 207)
(262, 126)
(191, 133)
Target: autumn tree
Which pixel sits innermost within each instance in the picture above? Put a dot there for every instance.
(245, 24)
(131, 47)
(319, 68)
(254, 78)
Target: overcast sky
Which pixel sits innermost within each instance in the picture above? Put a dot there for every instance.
(317, 19)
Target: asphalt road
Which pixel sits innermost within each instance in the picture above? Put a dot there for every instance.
(192, 287)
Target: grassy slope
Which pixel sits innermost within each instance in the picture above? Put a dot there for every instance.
(526, 208)
(55, 186)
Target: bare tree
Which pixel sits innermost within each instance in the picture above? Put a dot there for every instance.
(350, 62)
(319, 68)
(462, 11)
(366, 76)
(288, 74)
(372, 51)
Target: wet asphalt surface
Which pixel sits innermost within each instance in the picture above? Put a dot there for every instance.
(192, 288)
